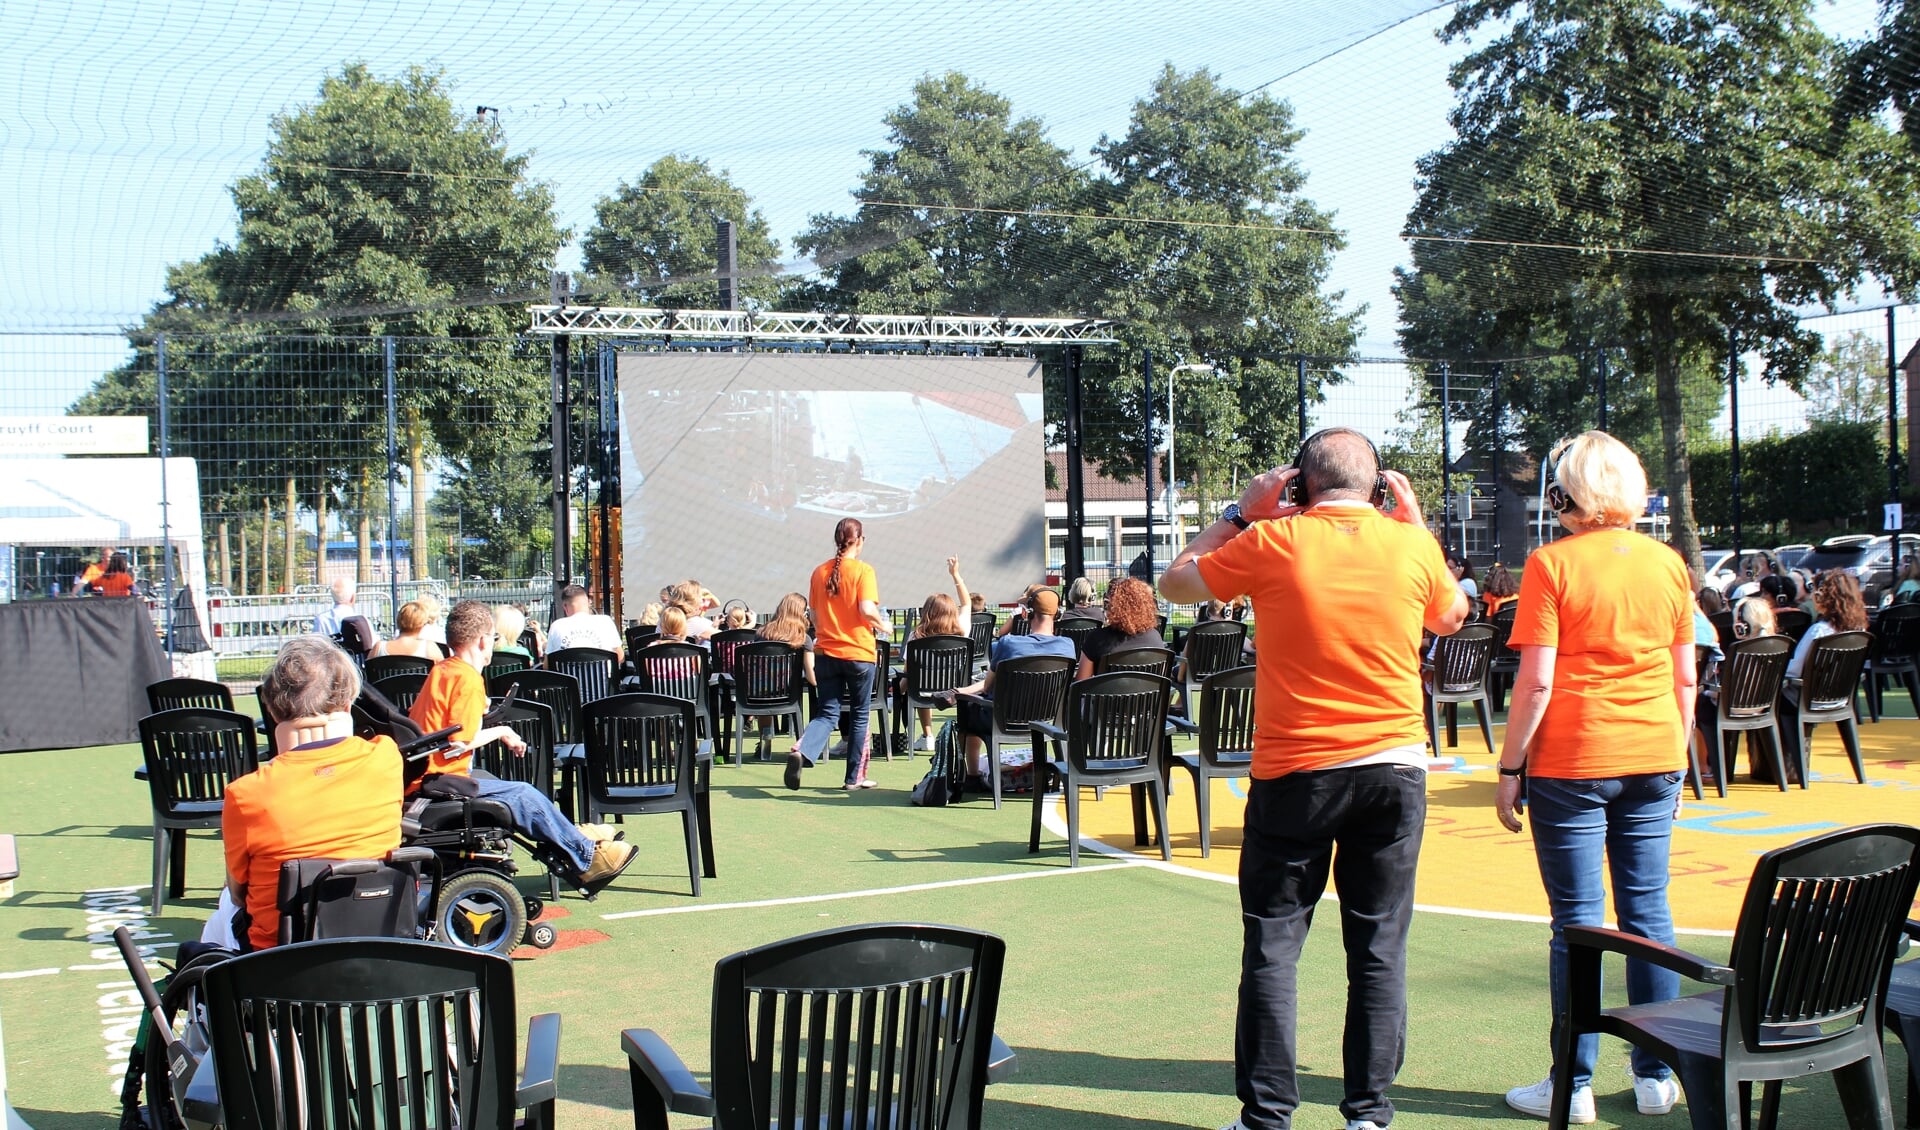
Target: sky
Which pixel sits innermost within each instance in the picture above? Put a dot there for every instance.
(123, 123)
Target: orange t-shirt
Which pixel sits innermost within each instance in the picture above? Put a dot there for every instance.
(1496, 603)
(1612, 602)
(1339, 597)
(453, 695)
(839, 629)
(115, 584)
(340, 800)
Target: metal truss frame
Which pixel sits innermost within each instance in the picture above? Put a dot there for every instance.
(772, 326)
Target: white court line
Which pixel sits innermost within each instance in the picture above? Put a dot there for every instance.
(28, 973)
(1054, 823)
(1123, 864)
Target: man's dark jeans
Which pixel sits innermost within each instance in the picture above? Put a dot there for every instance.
(1363, 824)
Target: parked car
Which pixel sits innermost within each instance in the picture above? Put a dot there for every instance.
(1723, 572)
(1790, 555)
(1867, 558)
(1882, 566)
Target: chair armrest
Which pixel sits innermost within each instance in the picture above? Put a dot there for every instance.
(974, 699)
(537, 1076)
(662, 1067)
(1645, 949)
(411, 855)
(1048, 729)
(1001, 1062)
(1183, 724)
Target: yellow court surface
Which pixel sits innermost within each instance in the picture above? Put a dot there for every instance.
(1468, 863)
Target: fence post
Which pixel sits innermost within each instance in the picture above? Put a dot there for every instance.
(1300, 398)
(166, 512)
(1893, 427)
(562, 449)
(606, 440)
(393, 473)
(1146, 440)
(1499, 443)
(1446, 457)
(1733, 450)
(1076, 556)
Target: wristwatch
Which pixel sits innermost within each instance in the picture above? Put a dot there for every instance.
(1232, 514)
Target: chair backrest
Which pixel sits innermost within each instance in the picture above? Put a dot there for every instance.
(591, 667)
(1723, 625)
(938, 663)
(1214, 646)
(1075, 628)
(1502, 624)
(348, 898)
(1460, 660)
(766, 673)
(530, 643)
(1032, 688)
(980, 631)
(905, 620)
(1792, 622)
(880, 1025)
(384, 666)
(1897, 630)
(174, 694)
(363, 1032)
(504, 665)
(1751, 674)
(401, 690)
(1117, 721)
(1702, 663)
(1832, 671)
(639, 636)
(193, 752)
(725, 644)
(533, 721)
(639, 740)
(558, 692)
(1226, 717)
(1146, 660)
(675, 669)
(1817, 934)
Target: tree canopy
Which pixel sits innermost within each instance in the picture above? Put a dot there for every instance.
(655, 240)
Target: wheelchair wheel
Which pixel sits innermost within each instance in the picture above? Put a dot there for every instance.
(534, 907)
(542, 934)
(480, 910)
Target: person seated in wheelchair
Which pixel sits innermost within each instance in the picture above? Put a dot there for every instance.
(455, 694)
(328, 795)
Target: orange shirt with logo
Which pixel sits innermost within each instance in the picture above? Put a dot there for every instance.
(1613, 603)
(454, 695)
(1339, 597)
(338, 800)
(839, 629)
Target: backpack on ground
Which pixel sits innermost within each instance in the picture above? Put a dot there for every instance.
(946, 775)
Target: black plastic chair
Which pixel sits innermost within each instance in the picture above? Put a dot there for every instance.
(677, 670)
(1139, 660)
(1115, 733)
(1723, 626)
(1750, 680)
(1826, 685)
(191, 754)
(1209, 648)
(1077, 629)
(767, 683)
(503, 665)
(642, 760)
(1026, 690)
(1903, 1019)
(180, 694)
(935, 665)
(559, 693)
(1459, 675)
(981, 627)
(721, 650)
(533, 721)
(1800, 994)
(862, 1026)
(879, 702)
(375, 1032)
(638, 636)
(904, 621)
(1895, 655)
(529, 642)
(1225, 749)
(386, 666)
(1504, 664)
(590, 667)
(1792, 622)
(401, 690)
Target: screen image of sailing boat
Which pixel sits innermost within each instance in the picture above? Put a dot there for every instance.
(879, 454)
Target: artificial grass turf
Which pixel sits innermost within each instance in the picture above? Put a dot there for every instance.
(1119, 994)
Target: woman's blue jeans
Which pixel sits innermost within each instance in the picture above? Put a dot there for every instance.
(836, 677)
(1628, 823)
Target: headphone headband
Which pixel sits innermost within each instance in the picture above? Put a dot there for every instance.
(1297, 492)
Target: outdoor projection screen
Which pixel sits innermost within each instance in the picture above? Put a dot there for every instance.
(735, 467)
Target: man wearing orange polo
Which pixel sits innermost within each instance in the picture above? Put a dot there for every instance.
(1340, 593)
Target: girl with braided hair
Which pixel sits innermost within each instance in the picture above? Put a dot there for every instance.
(845, 597)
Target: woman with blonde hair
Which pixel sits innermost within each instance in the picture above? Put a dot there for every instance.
(1753, 617)
(673, 627)
(1602, 706)
(414, 618)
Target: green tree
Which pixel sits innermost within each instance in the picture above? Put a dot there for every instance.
(655, 240)
(1848, 384)
(1884, 71)
(1677, 164)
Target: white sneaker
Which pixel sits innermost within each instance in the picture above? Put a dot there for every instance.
(839, 750)
(923, 743)
(1537, 1100)
(1655, 1096)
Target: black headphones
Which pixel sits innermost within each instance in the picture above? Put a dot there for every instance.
(1557, 497)
(1297, 493)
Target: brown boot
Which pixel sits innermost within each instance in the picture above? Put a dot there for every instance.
(610, 858)
(601, 833)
